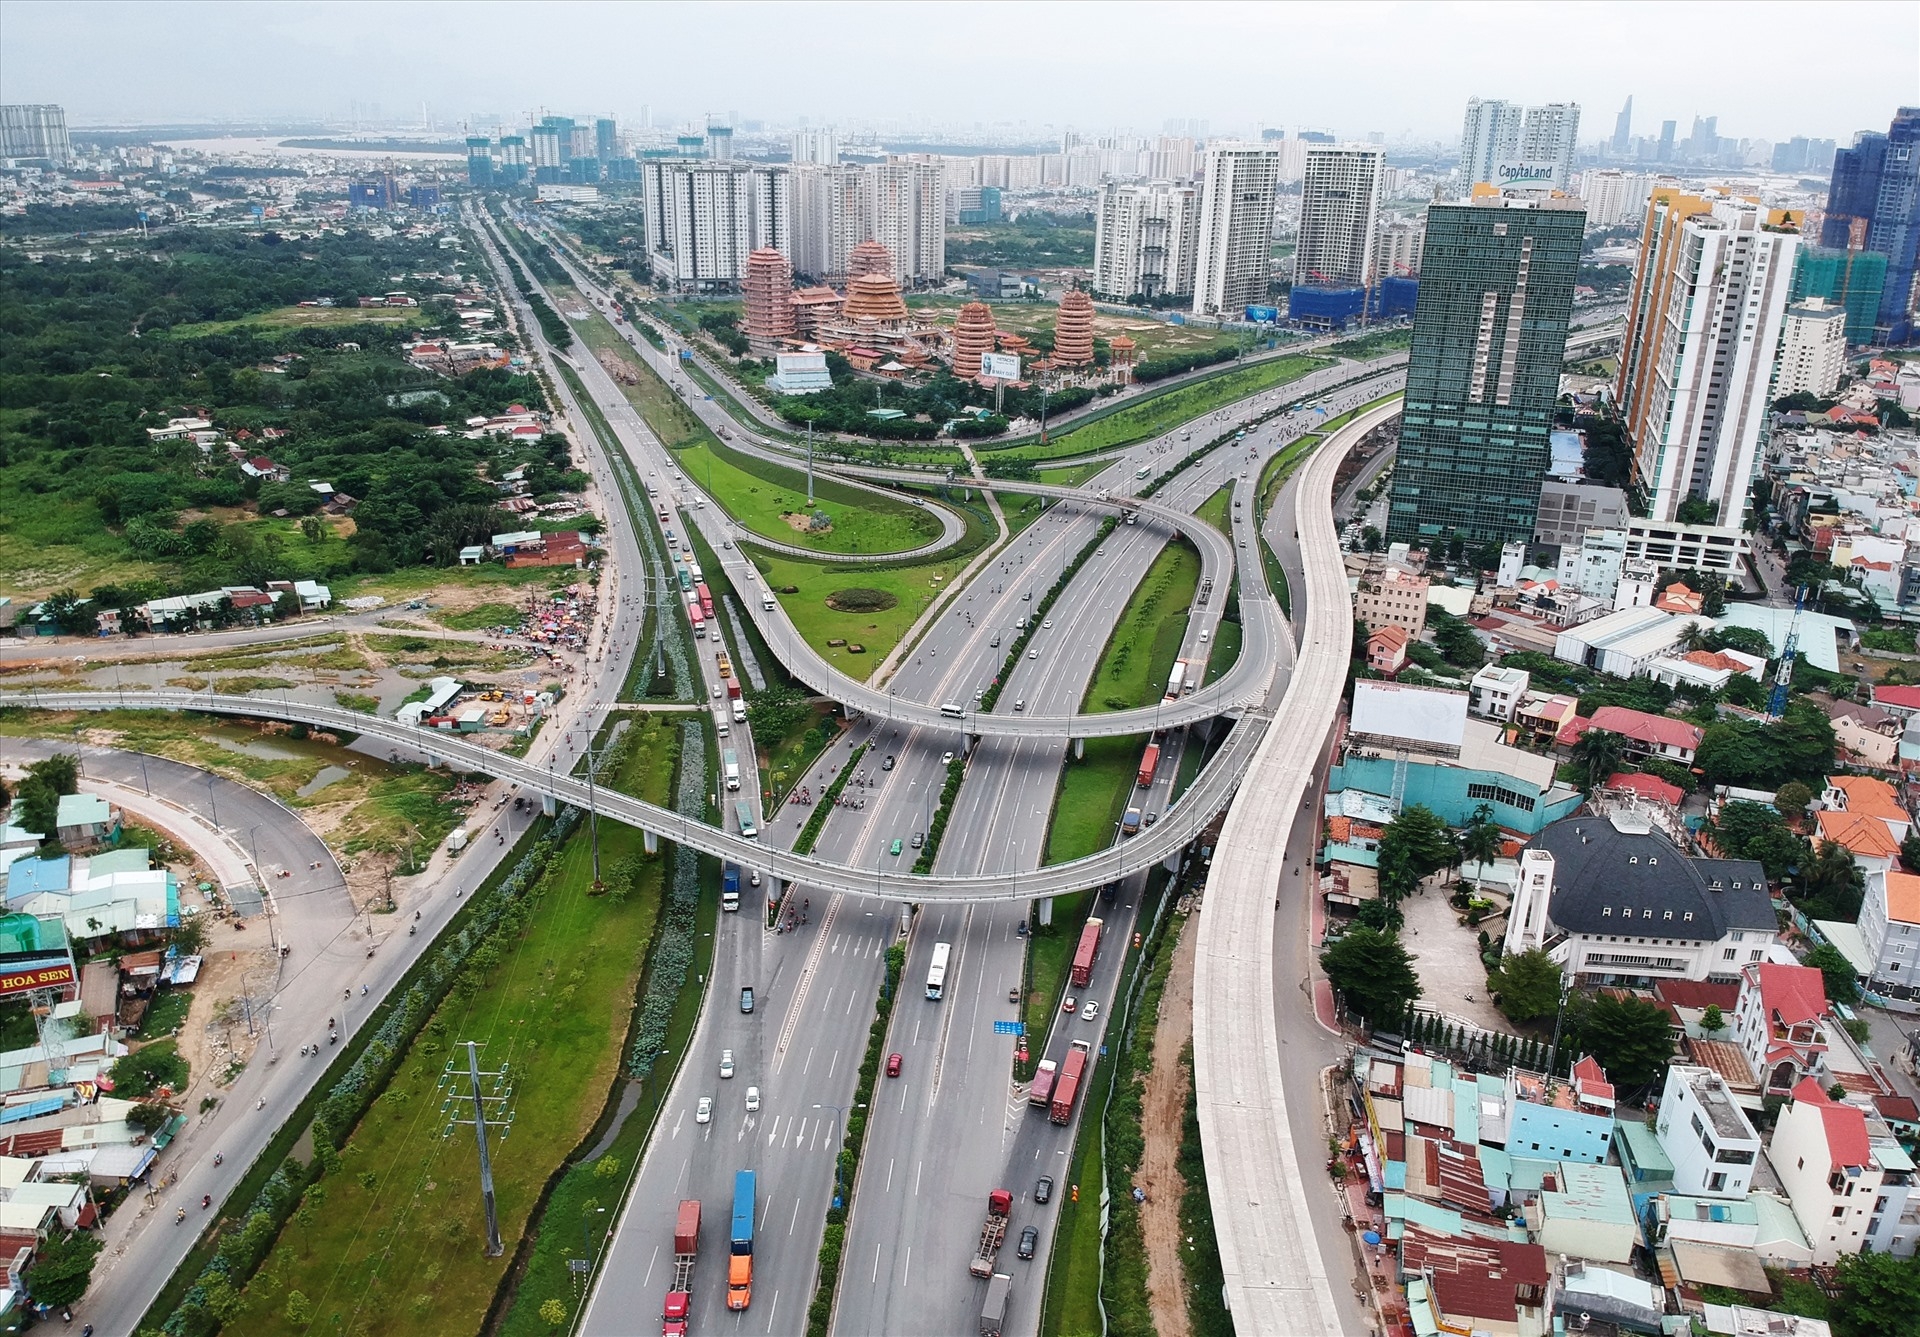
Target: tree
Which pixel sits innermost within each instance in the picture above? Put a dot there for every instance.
(37, 807)
(1747, 830)
(61, 771)
(1375, 973)
(1878, 1294)
(1598, 754)
(554, 1314)
(299, 1310)
(1628, 1037)
(1526, 985)
(1414, 844)
(63, 1268)
(1713, 1020)
(1482, 840)
(1842, 981)
(1910, 851)
(1793, 797)
(190, 937)
(150, 1117)
(1832, 884)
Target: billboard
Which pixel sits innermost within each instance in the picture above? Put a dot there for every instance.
(1526, 174)
(1263, 314)
(46, 972)
(1000, 366)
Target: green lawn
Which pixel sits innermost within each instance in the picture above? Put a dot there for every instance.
(762, 496)
(396, 1245)
(912, 587)
(1214, 510)
(482, 617)
(1073, 1271)
(1226, 649)
(1140, 654)
(1373, 345)
(1168, 409)
(1071, 475)
(1093, 796)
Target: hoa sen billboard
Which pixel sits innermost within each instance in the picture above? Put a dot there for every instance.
(1000, 366)
(26, 976)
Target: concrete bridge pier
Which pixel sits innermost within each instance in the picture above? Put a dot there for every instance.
(1079, 749)
(549, 805)
(650, 841)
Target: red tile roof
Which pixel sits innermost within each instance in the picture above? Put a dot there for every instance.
(1476, 1278)
(1901, 1109)
(1868, 797)
(1846, 1126)
(1647, 786)
(1638, 725)
(1866, 836)
(1900, 698)
(1793, 994)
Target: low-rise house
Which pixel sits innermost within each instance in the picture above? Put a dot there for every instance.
(1389, 596)
(1644, 735)
(1387, 650)
(1870, 735)
(1623, 643)
(1552, 1119)
(1616, 902)
(84, 821)
(1580, 1210)
(1710, 1142)
(1866, 838)
(1496, 1287)
(1889, 926)
(1496, 692)
(1824, 1159)
(1865, 796)
(1780, 1023)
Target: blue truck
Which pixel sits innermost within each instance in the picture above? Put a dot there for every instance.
(730, 887)
(740, 1265)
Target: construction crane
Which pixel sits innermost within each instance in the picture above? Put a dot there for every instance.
(1783, 676)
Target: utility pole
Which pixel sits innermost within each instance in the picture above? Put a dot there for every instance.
(809, 465)
(501, 1094)
(593, 818)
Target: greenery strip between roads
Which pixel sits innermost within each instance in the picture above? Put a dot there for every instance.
(817, 819)
(1041, 608)
(847, 1165)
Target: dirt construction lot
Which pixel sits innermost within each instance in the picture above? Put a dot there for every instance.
(1162, 1106)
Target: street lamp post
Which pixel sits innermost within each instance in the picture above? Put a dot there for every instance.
(840, 1110)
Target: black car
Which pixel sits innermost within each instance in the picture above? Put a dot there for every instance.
(1029, 1242)
(746, 999)
(1043, 1191)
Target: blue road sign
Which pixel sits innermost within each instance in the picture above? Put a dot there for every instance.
(1009, 1028)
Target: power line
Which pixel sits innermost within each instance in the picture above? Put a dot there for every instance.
(501, 1094)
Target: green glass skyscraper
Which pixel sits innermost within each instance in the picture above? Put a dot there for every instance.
(1489, 330)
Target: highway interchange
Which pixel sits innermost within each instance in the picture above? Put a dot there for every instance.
(953, 1125)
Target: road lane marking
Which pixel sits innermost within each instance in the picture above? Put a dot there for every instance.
(796, 1214)
(907, 1268)
(652, 1258)
(918, 1166)
(792, 1021)
(775, 1305)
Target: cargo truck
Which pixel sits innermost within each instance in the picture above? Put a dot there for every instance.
(1149, 763)
(686, 1243)
(1042, 1092)
(730, 888)
(740, 1263)
(993, 1232)
(739, 711)
(1174, 679)
(993, 1311)
(722, 663)
(1073, 1071)
(1086, 954)
(731, 760)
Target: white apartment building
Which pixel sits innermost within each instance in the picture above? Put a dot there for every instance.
(819, 144)
(1397, 246)
(907, 213)
(704, 218)
(1508, 145)
(1236, 228)
(1703, 332)
(901, 204)
(1890, 924)
(1614, 197)
(1146, 239)
(1704, 1133)
(1495, 691)
(1813, 349)
(1339, 215)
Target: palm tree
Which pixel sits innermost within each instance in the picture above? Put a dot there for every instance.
(1599, 754)
(1481, 842)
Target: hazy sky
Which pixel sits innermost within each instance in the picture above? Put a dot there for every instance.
(1767, 70)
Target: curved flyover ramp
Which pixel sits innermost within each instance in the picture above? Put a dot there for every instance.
(1276, 1279)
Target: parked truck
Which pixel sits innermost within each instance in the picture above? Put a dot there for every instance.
(686, 1243)
(1073, 1071)
(740, 1264)
(1042, 1092)
(993, 1311)
(1086, 954)
(730, 888)
(731, 760)
(993, 1233)
(1149, 763)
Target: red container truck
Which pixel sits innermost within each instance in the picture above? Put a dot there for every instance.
(1075, 1069)
(1149, 763)
(686, 1243)
(1086, 954)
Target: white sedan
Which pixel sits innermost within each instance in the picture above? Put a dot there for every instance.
(703, 1112)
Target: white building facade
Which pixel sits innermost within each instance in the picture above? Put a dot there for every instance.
(1234, 263)
(1704, 1133)
(704, 218)
(1505, 144)
(1146, 240)
(1339, 216)
(1813, 349)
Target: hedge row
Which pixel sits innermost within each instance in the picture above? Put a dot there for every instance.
(820, 1312)
(817, 819)
(673, 942)
(215, 1295)
(991, 696)
(956, 772)
(1159, 368)
(556, 330)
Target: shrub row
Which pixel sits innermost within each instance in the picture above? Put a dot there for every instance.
(1159, 368)
(828, 797)
(820, 1312)
(551, 325)
(492, 920)
(673, 941)
(1041, 608)
(1200, 1254)
(956, 772)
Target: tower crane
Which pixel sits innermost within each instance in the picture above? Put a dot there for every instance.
(1783, 676)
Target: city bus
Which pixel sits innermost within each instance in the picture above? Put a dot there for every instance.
(744, 811)
(937, 972)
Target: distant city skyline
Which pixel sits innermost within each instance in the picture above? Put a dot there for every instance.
(928, 68)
